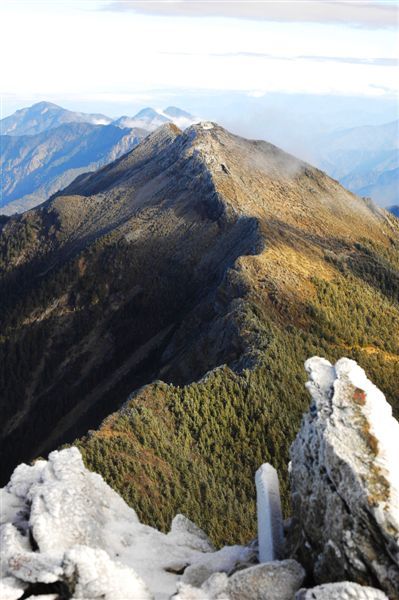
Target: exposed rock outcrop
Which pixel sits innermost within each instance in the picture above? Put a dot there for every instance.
(277, 580)
(345, 480)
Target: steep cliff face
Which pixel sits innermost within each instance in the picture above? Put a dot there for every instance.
(345, 480)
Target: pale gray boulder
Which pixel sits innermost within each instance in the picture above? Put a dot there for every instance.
(277, 580)
(344, 590)
(11, 589)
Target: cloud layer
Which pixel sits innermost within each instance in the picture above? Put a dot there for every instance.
(355, 60)
(369, 14)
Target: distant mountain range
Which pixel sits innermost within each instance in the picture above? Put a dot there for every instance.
(43, 116)
(44, 147)
(364, 159)
(150, 119)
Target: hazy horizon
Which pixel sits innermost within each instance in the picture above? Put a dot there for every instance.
(116, 57)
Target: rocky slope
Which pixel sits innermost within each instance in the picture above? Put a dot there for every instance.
(36, 166)
(197, 249)
(64, 532)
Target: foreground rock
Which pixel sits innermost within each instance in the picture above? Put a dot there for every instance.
(345, 481)
(340, 591)
(277, 580)
(63, 527)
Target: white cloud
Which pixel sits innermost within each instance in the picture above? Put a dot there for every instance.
(363, 13)
(73, 50)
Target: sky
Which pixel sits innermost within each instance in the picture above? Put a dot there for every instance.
(123, 55)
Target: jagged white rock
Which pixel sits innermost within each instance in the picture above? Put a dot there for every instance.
(185, 532)
(270, 518)
(344, 480)
(99, 577)
(213, 588)
(80, 525)
(61, 523)
(226, 560)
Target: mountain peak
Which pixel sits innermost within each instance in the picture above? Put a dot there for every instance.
(43, 116)
(243, 172)
(150, 118)
(149, 113)
(174, 111)
(43, 104)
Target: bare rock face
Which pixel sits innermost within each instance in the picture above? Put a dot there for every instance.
(339, 591)
(345, 481)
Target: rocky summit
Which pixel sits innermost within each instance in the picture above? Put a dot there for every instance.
(66, 534)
